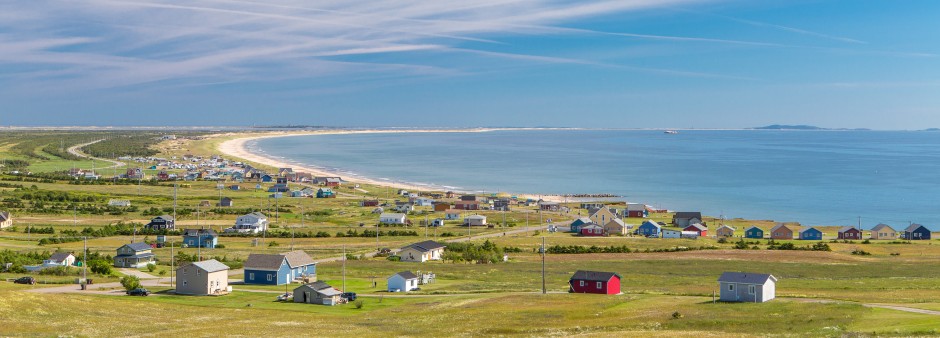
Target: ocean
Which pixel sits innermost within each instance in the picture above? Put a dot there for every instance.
(812, 177)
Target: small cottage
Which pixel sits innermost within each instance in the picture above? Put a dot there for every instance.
(686, 218)
(392, 218)
(725, 231)
(452, 214)
(747, 287)
(204, 278)
(781, 231)
(754, 232)
(441, 206)
(811, 234)
(474, 220)
(549, 206)
(403, 282)
(648, 229)
(369, 203)
(422, 252)
(615, 226)
(916, 232)
(850, 233)
(325, 193)
(200, 238)
(165, 222)
(884, 231)
(6, 220)
(467, 205)
(60, 259)
(591, 230)
(134, 255)
(698, 228)
(279, 269)
(670, 233)
(317, 293)
(636, 210)
(576, 224)
(605, 283)
(226, 202)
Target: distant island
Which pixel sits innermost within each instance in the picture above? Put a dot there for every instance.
(932, 129)
(801, 127)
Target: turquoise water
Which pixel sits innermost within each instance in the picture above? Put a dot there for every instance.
(814, 177)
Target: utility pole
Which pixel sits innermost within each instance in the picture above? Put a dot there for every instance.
(377, 237)
(426, 226)
(344, 267)
(543, 265)
(74, 214)
(85, 260)
(175, 186)
(172, 264)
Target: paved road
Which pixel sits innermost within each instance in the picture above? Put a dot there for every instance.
(76, 150)
(903, 308)
(138, 273)
(112, 289)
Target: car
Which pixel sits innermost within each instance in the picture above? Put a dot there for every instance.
(25, 280)
(284, 297)
(138, 292)
(349, 296)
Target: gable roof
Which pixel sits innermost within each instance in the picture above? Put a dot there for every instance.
(163, 217)
(211, 265)
(595, 211)
(476, 217)
(425, 246)
(650, 222)
(914, 227)
(754, 227)
(59, 256)
(882, 226)
(405, 275)
(139, 246)
(590, 226)
(809, 229)
(688, 214)
(697, 226)
(264, 262)
(778, 226)
(726, 227)
(617, 221)
(298, 258)
(847, 228)
(746, 278)
(197, 232)
(582, 219)
(319, 285)
(596, 276)
(4, 216)
(391, 215)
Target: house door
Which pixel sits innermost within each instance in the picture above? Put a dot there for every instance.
(306, 296)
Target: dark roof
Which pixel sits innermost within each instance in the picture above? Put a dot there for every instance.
(319, 285)
(844, 229)
(197, 232)
(881, 226)
(778, 226)
(139, 246)
(914, 227)
(688, 214)
(406, 275)
(753, 227)
(745, 277)
(143, 255)
(298, 258)
(697, 226)
(59, 256)
(426, 246)
(164, 217)
(4, 215)
(264, 262)
(597, 276)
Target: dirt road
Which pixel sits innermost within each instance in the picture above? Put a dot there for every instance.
(75, 150)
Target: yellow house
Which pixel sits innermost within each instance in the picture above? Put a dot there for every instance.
(5, 219)
(725, 231)
(615, 227)
(883, 231)
(602, 216)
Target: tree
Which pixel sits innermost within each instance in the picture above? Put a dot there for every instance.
(130, 282)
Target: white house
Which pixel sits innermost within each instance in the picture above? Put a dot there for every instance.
(422, 252)
(119, 203)
(202, 278)
(404, 207)
(452, 214)
(475, 220)
(668, 233)
(747, 287)
(250, 223)
(424, 202)
(403, 282)
(60, 259)
(392, 218)
(6, 220)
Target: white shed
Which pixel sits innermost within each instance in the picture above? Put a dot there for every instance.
(403, 282)
(747, 287)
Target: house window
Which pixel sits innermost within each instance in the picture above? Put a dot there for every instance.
(599, 285)
(198, 272)
(582, 283)
(750, 289)
(730, 287)
(269, 277)
(251, 276)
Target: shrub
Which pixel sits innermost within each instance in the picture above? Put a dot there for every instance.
(151, 267)
(722, 240)
(358, 304)
(101, 268)
(130, 282)
(394, 258)
(56, 271)
(676, 315)
(220, 246)
(866, 242)
(273, 244)
(861, 252)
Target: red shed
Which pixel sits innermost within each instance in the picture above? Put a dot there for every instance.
(850, 232)
(700, 229)
(605, 283)
(591, 230)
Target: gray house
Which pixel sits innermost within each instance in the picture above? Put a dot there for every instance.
(134, 255)
(747, 287)
(317, 293)
(202, 278)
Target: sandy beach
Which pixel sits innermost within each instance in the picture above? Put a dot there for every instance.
(238, 148)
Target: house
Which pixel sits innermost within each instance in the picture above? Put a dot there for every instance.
(747, 287)
(452, 214)
(325, 193)
(502, 204)
(615, 227)
(200, 238)
(423, 202)
(317, 293)
(671, 233)
(781, 231)
(649, 229)
(916, 232)
(333, 181)
(636, 210)
(266, 178)
(226, 202)
(163, 175)
(754, 232)
(725, 231)
(254, 222)
(475, 220)
(205, 278)
(467, 205)
(591, 229)
(392, 218)
(279, 269)
(165, 222)
(883, 231)
(205, 203)
(850, 232)
(685, 218)
(605, 283)
(60, 259)
(119, 203)
(441, 206)
(689, 234)
(576, 224)
(437, 222)
(6, 220)
(134, 255)
(602, 215)
(592, 205)
(549, 206)
(449, 194)
(469, 198)
(235, 187)
(422, 252)
(369, 203)
(810, 234)
(134, 173)
(697, 227)
(404, 207)
(403, 282)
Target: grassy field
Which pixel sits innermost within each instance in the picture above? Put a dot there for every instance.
(820, 293)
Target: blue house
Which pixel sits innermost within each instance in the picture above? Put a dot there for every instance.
(200, 238)
(266, 178)
(811, 234)
(576, 225)
(916, 232)
(649, 229)
(325, 193)
(279, 269)
(753, 232)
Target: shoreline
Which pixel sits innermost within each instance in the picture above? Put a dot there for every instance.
(238, 148)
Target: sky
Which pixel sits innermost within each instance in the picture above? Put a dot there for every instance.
(493, 63)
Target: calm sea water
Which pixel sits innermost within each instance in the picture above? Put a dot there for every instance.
(813, 177)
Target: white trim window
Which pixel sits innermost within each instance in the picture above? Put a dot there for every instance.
(599, 285)
(582, 283)
(730, 287)
(751, 289)
(251, 276)
(269, 277)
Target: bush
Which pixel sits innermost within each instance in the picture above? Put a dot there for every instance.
(273, 244)
(56, 271)
(220, 246)
(130, 282)
(358, 304)
(151, 267)
(861, 252)
(722, 240)
(676, 315)
(394, 258)
(100, 268)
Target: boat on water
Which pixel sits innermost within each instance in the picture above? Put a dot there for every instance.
(670, 132)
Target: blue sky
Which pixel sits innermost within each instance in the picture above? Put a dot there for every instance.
(621, 63)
